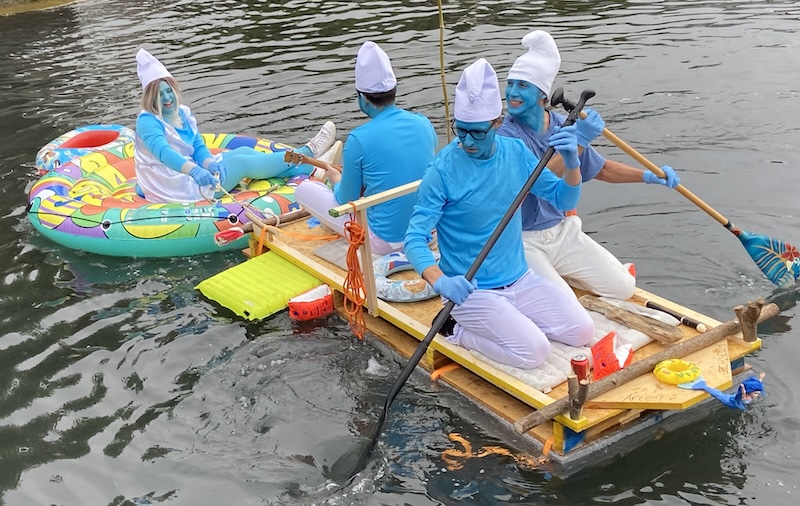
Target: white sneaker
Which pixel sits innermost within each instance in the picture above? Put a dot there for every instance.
(323, 140)
(333, 155)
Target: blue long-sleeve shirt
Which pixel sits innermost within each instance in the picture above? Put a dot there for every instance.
(464, 199)
(151, 131)
(538, 214)
(392, 149)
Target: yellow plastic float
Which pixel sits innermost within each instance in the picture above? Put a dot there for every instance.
(676, 371)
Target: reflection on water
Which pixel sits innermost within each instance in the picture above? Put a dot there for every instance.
(120, 384)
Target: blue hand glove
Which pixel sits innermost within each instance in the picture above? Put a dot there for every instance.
(589, 128)
(455, 288)
(202, 177)
(218, 168)
(672, 177)
(566, 143)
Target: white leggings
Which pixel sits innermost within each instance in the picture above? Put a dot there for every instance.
(514, 325)
(567, 256)
(316, 198)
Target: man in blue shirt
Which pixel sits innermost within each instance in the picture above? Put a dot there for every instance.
(555, 246)
(507, 312)
(390, 150)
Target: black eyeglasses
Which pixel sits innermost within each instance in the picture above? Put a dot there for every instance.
(478, 135)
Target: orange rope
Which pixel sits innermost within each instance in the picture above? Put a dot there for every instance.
(261, 237)
(353, 287)
(454, 458)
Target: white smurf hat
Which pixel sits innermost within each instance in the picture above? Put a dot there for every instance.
(149, 68)
(540, 64)
(478, 94)
(374, 72)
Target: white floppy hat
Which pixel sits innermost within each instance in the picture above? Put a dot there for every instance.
(478, 94)
(540, 64)
(149, 68)
(374, 72)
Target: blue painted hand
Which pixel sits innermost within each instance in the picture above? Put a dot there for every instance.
(455, 288)
(671, 181)
(566, 143)
(589, 128)
(218, 168)
(202, 177)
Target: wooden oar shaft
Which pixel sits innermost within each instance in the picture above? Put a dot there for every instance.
(641, 367)
(608, 134)
(660, 173)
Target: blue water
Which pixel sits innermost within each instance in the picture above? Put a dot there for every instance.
(120, 384)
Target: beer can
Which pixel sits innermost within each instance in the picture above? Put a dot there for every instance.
(580, 366)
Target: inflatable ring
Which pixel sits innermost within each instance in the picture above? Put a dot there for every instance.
(399, 290)
(80, 142)
(676, 371)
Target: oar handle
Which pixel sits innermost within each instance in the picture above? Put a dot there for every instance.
(608, 134)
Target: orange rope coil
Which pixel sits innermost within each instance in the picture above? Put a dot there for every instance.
(353, 287)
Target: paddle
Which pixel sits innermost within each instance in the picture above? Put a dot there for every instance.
(779, 261)
(445, 311)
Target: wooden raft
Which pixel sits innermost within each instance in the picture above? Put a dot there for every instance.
(403, 325)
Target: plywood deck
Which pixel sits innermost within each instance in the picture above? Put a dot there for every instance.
(402, 324)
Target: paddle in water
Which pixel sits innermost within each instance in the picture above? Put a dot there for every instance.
(441, 317)
(778, 260)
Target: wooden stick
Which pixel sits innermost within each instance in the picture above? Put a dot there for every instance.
(289, 217)
(644, 366)
(578, 390)
(658, 330)
(747, 315)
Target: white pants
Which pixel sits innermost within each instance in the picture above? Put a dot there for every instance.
(565, 255)
(514, 325)
(316, 198)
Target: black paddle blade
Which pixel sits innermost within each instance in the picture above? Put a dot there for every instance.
(779, 261)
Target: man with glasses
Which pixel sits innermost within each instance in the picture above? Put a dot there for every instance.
(507, 313)
(393, 148)
(555, 246)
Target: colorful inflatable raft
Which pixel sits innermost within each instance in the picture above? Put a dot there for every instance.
(90, 203)
(82, 141)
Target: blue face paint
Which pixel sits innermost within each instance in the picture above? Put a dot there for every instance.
(524, 103)
(166, 95)
(366, 106)
(477, 139)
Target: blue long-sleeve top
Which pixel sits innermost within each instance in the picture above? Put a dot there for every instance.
(392, 149)
(151, 131)
(538, 214)
(464, 199)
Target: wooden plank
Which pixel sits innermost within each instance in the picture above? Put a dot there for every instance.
(373, 200)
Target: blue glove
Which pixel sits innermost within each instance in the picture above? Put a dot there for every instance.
(589, 128)
(202, 177)
(455, 288)
(566, 143)
(218, 168)
(672, 178)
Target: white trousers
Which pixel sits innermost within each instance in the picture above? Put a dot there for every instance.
(316, 198)
(567, 256)
(514, 325)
